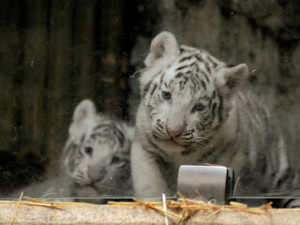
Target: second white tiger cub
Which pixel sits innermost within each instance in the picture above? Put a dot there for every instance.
(95, 162)
(96, 157)
(191, 111)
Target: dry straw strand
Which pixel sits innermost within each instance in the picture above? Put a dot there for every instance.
(16, 209)
(151, 205)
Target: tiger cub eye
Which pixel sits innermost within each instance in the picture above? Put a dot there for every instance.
(166, 95)
(88, 150)
(115, 160)
(199, 107)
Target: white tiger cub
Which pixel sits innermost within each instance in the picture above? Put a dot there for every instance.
(96, 156)
(95, 161)
(191, 111)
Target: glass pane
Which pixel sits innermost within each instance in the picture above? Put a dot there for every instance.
(97, 103)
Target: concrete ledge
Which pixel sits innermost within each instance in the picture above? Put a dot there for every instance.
(113, 214)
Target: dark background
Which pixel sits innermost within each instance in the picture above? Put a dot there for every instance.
(53, 54)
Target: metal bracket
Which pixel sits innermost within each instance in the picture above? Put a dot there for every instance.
(211, 183)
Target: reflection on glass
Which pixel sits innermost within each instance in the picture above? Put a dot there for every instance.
(189, 106)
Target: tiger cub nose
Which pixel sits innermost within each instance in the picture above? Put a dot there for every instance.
(174, 133)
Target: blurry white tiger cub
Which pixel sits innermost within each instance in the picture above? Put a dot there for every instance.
(95, 160)
(191, 111)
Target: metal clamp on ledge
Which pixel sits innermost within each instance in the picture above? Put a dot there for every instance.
(210, 183)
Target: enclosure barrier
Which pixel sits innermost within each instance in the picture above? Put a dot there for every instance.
(182, 212)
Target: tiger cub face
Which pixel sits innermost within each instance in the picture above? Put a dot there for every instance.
(96, 156)
(186, 93)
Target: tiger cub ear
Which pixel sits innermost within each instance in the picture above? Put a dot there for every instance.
(164, 48)
(231, 77)
(84, 112)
